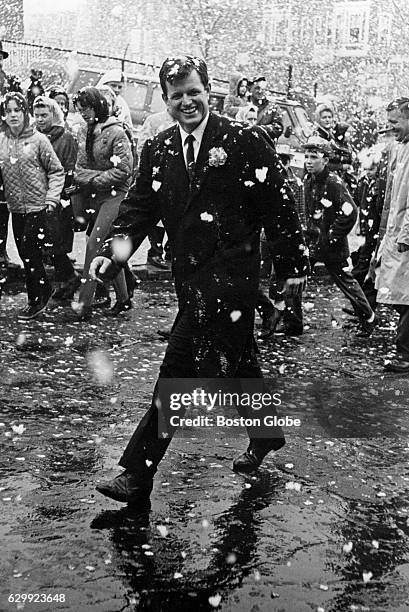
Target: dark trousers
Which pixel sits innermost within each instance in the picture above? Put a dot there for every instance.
(350, 288)
(222, 349)
(60, 232)
(4, 220)
(402, 333)
(30, 235)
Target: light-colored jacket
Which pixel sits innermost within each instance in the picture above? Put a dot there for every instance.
(32, 173)
(153, 125)
(113, 161)
(392, 281)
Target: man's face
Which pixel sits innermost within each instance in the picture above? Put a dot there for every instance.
(43, 118)
(117, 86)
(188, 101)
(258, 91)
(315, 162)
(399, 124)
(326, 119)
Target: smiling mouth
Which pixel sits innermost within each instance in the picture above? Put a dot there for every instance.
(189, 111)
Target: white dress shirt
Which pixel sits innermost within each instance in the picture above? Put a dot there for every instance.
(198, 136)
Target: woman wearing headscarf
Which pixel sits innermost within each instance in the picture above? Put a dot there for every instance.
(49, 120)
(102, 176)
(238, 96)
(33, 180)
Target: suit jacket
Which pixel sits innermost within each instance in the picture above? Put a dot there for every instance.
(214, 224)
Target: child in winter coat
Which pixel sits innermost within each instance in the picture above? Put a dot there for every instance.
(103, 176)
(33, 180)
(49, 120)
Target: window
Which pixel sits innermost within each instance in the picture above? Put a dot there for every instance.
(277, 28)
(351, 21)
(384, 28)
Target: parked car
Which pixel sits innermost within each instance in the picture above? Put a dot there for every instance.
(142, 93)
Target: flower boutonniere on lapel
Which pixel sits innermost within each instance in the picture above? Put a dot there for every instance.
(217, 157)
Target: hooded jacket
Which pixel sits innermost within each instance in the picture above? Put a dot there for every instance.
(233, 101)
(63, 142)
(32, 174)
(113, 160)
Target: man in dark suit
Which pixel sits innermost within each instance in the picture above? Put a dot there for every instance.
(214, 184)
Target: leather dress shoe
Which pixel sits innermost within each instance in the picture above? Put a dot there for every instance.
(128, 488)
(269, 324)
(367, 327)
(252, 458)
(398, 365)
(119, 307)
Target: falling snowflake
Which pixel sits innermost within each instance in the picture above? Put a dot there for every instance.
(235, 315)
(162, 530)
(366, 576)
(206, 217)
(101, 367)
(156, 185)
(347, 547)
(121, 248)
(261, 174)
(18, 429)
(347, 208)
(115, 159)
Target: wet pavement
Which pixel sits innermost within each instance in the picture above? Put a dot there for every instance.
(323, 526)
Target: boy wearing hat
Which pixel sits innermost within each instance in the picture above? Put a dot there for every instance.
(331, 215)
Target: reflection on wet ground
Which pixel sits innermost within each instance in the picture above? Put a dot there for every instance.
(322, 527)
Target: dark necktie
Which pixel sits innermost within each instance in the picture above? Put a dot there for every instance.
(190, 156)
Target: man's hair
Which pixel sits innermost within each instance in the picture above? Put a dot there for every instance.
(401, 104)
(178, 68)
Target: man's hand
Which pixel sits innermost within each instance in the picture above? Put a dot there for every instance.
(402, 247)
(99, 267)
(294, 286)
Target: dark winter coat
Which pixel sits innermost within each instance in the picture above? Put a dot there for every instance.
(66, 148)
(214, 226)
(331, 215)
